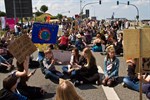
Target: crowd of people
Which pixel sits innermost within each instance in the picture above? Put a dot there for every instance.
(82, 40)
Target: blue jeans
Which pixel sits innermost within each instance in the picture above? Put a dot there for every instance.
(40, 56)
(131, 83)
(65, 70)
(53, 75)
(146, 89)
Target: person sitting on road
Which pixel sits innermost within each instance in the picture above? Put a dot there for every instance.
(97, 47)
(63, 41)
(31, 92)
(5, 53)
(132, 77)
(9, 91)
(118, 44)
(111, 67)
(4, 65)
(80, 42)
(74, 63)
(41, 48)
(132, 80)
(49, 67)
(66, 91)
(89, 72)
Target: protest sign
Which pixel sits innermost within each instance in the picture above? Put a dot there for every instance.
(11, 22)
(21, 48)
(136, 45)
(44, 33)
(132, 43)
(62, 56)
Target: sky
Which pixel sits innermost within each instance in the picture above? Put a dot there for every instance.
(103, 11)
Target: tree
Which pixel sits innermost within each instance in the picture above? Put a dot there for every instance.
(59, 16)
(2, 13)
(38, 13)
(43, 8)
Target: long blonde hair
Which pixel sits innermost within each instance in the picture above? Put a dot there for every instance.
(66, 91)
(90, 58)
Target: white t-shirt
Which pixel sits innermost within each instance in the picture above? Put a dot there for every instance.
(16, 28)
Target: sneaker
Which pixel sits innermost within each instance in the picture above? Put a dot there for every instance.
(46, 77)
(98, 82)
(77, 83)
(124, 85)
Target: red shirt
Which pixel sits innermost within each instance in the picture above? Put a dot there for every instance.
(64, 40)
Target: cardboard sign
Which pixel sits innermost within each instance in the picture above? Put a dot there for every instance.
(133, 39)
(63, 56)
(132, 43)
(21, 48)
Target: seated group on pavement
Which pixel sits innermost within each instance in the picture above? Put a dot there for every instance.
(81, 69)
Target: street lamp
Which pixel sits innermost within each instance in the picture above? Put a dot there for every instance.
(81, 13)
(128, 3)
(100, 2)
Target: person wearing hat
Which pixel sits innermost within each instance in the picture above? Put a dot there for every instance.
(111, 67)
(9, 91)
(49, 67)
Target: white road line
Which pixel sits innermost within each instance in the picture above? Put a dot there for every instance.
(109, 92)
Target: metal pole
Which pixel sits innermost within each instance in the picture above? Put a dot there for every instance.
(140, 63)
(21, 14)
(80, 5)
(14, 4)
(137, 17)
(81, 13)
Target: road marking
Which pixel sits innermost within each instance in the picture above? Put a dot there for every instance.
(109, 92)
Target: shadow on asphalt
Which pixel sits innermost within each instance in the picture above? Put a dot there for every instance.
(87, 86)
(47, 96)
(119, 81)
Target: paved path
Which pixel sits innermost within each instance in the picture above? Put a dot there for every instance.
(88, 92)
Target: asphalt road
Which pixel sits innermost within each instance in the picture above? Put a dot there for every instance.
(88, 92)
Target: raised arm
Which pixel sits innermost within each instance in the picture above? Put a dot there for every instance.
(25, 71)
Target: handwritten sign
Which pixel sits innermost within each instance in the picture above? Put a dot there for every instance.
(21, 48)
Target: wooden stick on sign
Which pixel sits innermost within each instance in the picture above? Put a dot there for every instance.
(140, 62)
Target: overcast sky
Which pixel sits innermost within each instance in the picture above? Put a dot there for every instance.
(105, 10)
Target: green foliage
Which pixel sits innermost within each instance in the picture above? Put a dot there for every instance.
(53, 17)
(38, 13)
(2, 32)
(59, 16)
(146, 26)
(2, 13)
(44, 8)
